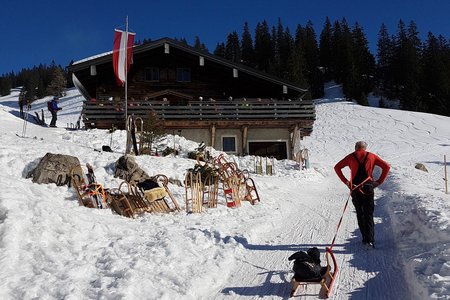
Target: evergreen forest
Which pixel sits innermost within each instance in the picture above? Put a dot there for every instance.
(405, 68)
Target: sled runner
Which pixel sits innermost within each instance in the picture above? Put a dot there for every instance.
(194, 192)
(90, 193)
(201, 186)
(326, 280)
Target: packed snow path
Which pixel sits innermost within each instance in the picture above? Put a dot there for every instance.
(262, 268)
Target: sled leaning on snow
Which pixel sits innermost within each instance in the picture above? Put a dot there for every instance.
(160, 199)
(129, 200)
(126, 200)
(90, 193)
(329, 274)
(200, 192)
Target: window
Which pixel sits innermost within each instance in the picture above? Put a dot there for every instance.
(183, 74)
(229, 143)
(152, 74)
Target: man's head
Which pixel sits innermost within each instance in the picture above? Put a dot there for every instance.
(360, 145)
(55, 98)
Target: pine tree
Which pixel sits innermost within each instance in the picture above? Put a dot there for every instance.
(363, 65)
(220, 50)
(284, 44)
(296, 63)
(199, 45)
(247, 51)
(411, 91)
(153, 130)
(311, 54)
(385, 52)
(406, 65)
(336, 49)
(30, 83)
(57, 84)
(263, 46)
(5, 86)
(435, 77)
(398, 60)
(325, 50)
(233, 48)
(343, 64)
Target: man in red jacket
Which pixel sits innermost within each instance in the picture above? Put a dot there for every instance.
(361, 183)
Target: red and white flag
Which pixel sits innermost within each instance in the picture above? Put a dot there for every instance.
(122, 41)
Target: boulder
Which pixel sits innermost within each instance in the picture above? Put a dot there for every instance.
(54, 168)
(421, 167)
(128, 170)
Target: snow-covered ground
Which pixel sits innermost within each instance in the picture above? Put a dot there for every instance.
(51, 248)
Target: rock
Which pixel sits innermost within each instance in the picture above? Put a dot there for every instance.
(54, 168)
(128, 170)
(421, 167)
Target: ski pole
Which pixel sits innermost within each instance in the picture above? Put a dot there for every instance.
(25, 122)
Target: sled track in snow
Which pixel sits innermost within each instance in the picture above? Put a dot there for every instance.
(263, 271)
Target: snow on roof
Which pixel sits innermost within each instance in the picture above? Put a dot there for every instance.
(92, 57)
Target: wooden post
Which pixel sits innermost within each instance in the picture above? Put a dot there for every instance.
(213, 135)
(445, 174)
(244, 140)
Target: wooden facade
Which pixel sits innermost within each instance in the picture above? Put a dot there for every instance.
(190, 89)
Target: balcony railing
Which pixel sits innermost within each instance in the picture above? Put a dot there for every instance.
(203, 110)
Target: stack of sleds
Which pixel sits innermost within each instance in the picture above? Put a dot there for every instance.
(202, 184)
(237, 184)
(150, 196)
(153, 195)
(201, 187)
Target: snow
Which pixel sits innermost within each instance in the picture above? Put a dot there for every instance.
(51, 248)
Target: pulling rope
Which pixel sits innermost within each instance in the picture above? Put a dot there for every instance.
(343, 212)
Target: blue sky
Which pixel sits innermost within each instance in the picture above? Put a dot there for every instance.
(41, 31)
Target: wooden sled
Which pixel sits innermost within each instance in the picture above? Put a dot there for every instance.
(162, 198)
(326, 281)
(129, 200)
(230, 187)
(247, 188)
(90, 193)
(200, 192)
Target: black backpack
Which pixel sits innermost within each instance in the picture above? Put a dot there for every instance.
(307, 265)
(49, 105)
(361, 176)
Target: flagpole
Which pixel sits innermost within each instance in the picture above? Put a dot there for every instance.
(126, 86)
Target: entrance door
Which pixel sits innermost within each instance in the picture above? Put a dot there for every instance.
(268, 149)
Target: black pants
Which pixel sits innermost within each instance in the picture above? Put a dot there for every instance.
(364, 205)
(53, 121)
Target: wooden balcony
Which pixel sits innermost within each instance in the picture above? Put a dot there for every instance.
(196, 114)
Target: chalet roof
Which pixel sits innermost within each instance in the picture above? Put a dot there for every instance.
(107, 57)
